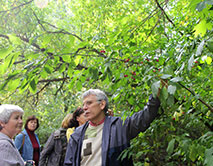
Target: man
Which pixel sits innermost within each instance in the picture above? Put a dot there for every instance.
(101, 140)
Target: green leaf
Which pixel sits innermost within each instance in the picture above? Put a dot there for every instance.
(210, 2)
(176, 79)
(62, 68)
(200, 48)
(155, 87)
(48, 69)
(44, 74)
(72, 39)
(78, 60)
(208, 60)
(165, 76)
(109, 72)
(193, 152)
(171, 146)
(116, 96)
(14, 39)
(180, 69)
(94, 73)
(66, 58)
(210, 45)
(70, 71)
(79, 85)
(8, 79)
(28, 65)
(46, 40)
(168, 70)
(170, 100)
(171, 89)
(131, 100)
(202, 27)
(208, 157)
(164, 93)
(13, 84)
(4, 52)
(33, 86)
(190, 62)
(32, 56)
(201, 6)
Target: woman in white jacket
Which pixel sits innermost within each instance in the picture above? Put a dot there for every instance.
(10, 125)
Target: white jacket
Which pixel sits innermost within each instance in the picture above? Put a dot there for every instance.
(9, 155)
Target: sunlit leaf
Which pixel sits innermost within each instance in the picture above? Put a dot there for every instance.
(202, 27)
(14, 39)
(190, 62)
(201, 6)
(208, 60)
(155, 87)
(208, 157)
(171, 89)
(166, 76)
(200, 48)
(176, 79)
(4, 52)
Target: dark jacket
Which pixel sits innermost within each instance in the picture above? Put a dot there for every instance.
(54, 150)
(116, 136)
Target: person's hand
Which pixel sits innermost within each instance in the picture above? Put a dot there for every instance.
(163, 83)
(110, 112)
(29, 163)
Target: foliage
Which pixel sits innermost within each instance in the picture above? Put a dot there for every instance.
(51, 51)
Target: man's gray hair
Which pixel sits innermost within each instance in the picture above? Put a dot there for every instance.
(100, 95)
(6, 111)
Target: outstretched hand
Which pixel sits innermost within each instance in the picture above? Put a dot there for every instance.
(110, 112)
(163, 83)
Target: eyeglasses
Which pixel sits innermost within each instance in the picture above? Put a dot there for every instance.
(89, 103)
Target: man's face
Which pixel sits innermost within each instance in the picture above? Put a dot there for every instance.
(93, 109)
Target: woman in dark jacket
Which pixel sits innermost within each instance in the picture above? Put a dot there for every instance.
(55, 148)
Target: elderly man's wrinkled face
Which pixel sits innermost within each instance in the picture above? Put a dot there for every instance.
(93, 109)
(14, 125)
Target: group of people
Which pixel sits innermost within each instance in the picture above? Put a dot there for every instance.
(87, 137)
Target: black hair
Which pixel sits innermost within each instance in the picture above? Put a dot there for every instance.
(73, 122)
(33, 117)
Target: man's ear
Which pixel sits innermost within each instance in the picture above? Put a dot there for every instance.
(2, 124)
(103, 104)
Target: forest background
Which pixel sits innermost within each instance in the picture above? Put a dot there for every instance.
(52, 51)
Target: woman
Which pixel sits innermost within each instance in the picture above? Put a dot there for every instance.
(27, 141)
(10, 125)
(55, 148)
(77, 120)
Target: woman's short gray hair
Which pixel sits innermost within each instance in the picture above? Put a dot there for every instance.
(100, 96)
(6, 111)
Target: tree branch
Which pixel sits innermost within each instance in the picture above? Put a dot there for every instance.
(4, 11)
(54, 80)
(166, 15)
(210, 108)
(4, 36)
(60, 31)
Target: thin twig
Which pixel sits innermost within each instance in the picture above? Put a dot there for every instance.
(4, 11)
(194, 94)
(166, 15)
